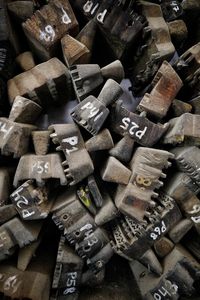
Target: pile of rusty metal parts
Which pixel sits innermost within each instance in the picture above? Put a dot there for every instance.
(100, 149)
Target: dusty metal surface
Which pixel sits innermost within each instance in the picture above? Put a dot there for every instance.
(99, 150)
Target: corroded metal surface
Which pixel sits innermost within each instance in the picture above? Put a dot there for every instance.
(99, 150)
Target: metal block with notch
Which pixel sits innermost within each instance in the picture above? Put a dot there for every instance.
(68, 272)
(80, 228)
(183, 130)
(155, 47)
(92, 112)
(78, 164)
(131, 239)
(40, 168)
(180, 271)
(14, 137)
(15, 233)
(32, 202)
(46, 83)
(146, 167)
(187, 160)
(87, 78)
(47, 26)
(165, 86)
(138, 127)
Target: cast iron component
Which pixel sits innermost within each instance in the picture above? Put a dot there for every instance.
(179, 33)
(80, 229)
(180, 230)
(183, 130)
(21, 10)
(179, 108)
(68, 272)
(40, 168)
(107, 212)
(187, 65)
(138, 127)
(33, 283)
(187, 160)
(46, 83)
(185, 192)
(165, 86)
(48, 25)
(78, 164)
(31, 202)
(95, 191)
(5, 185)
(25, 60)
(131, 239)
(14, 137)
(123, 149)
(146, 166)
(92, 112)
(114, 171)
(74, 52)
(163, 247)
(24, 110)
(15, 233)
(172, 9)
(87, 78)
(155, 47)
(180, 272)
(120, 25)
(7, 212)
(102, 141)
